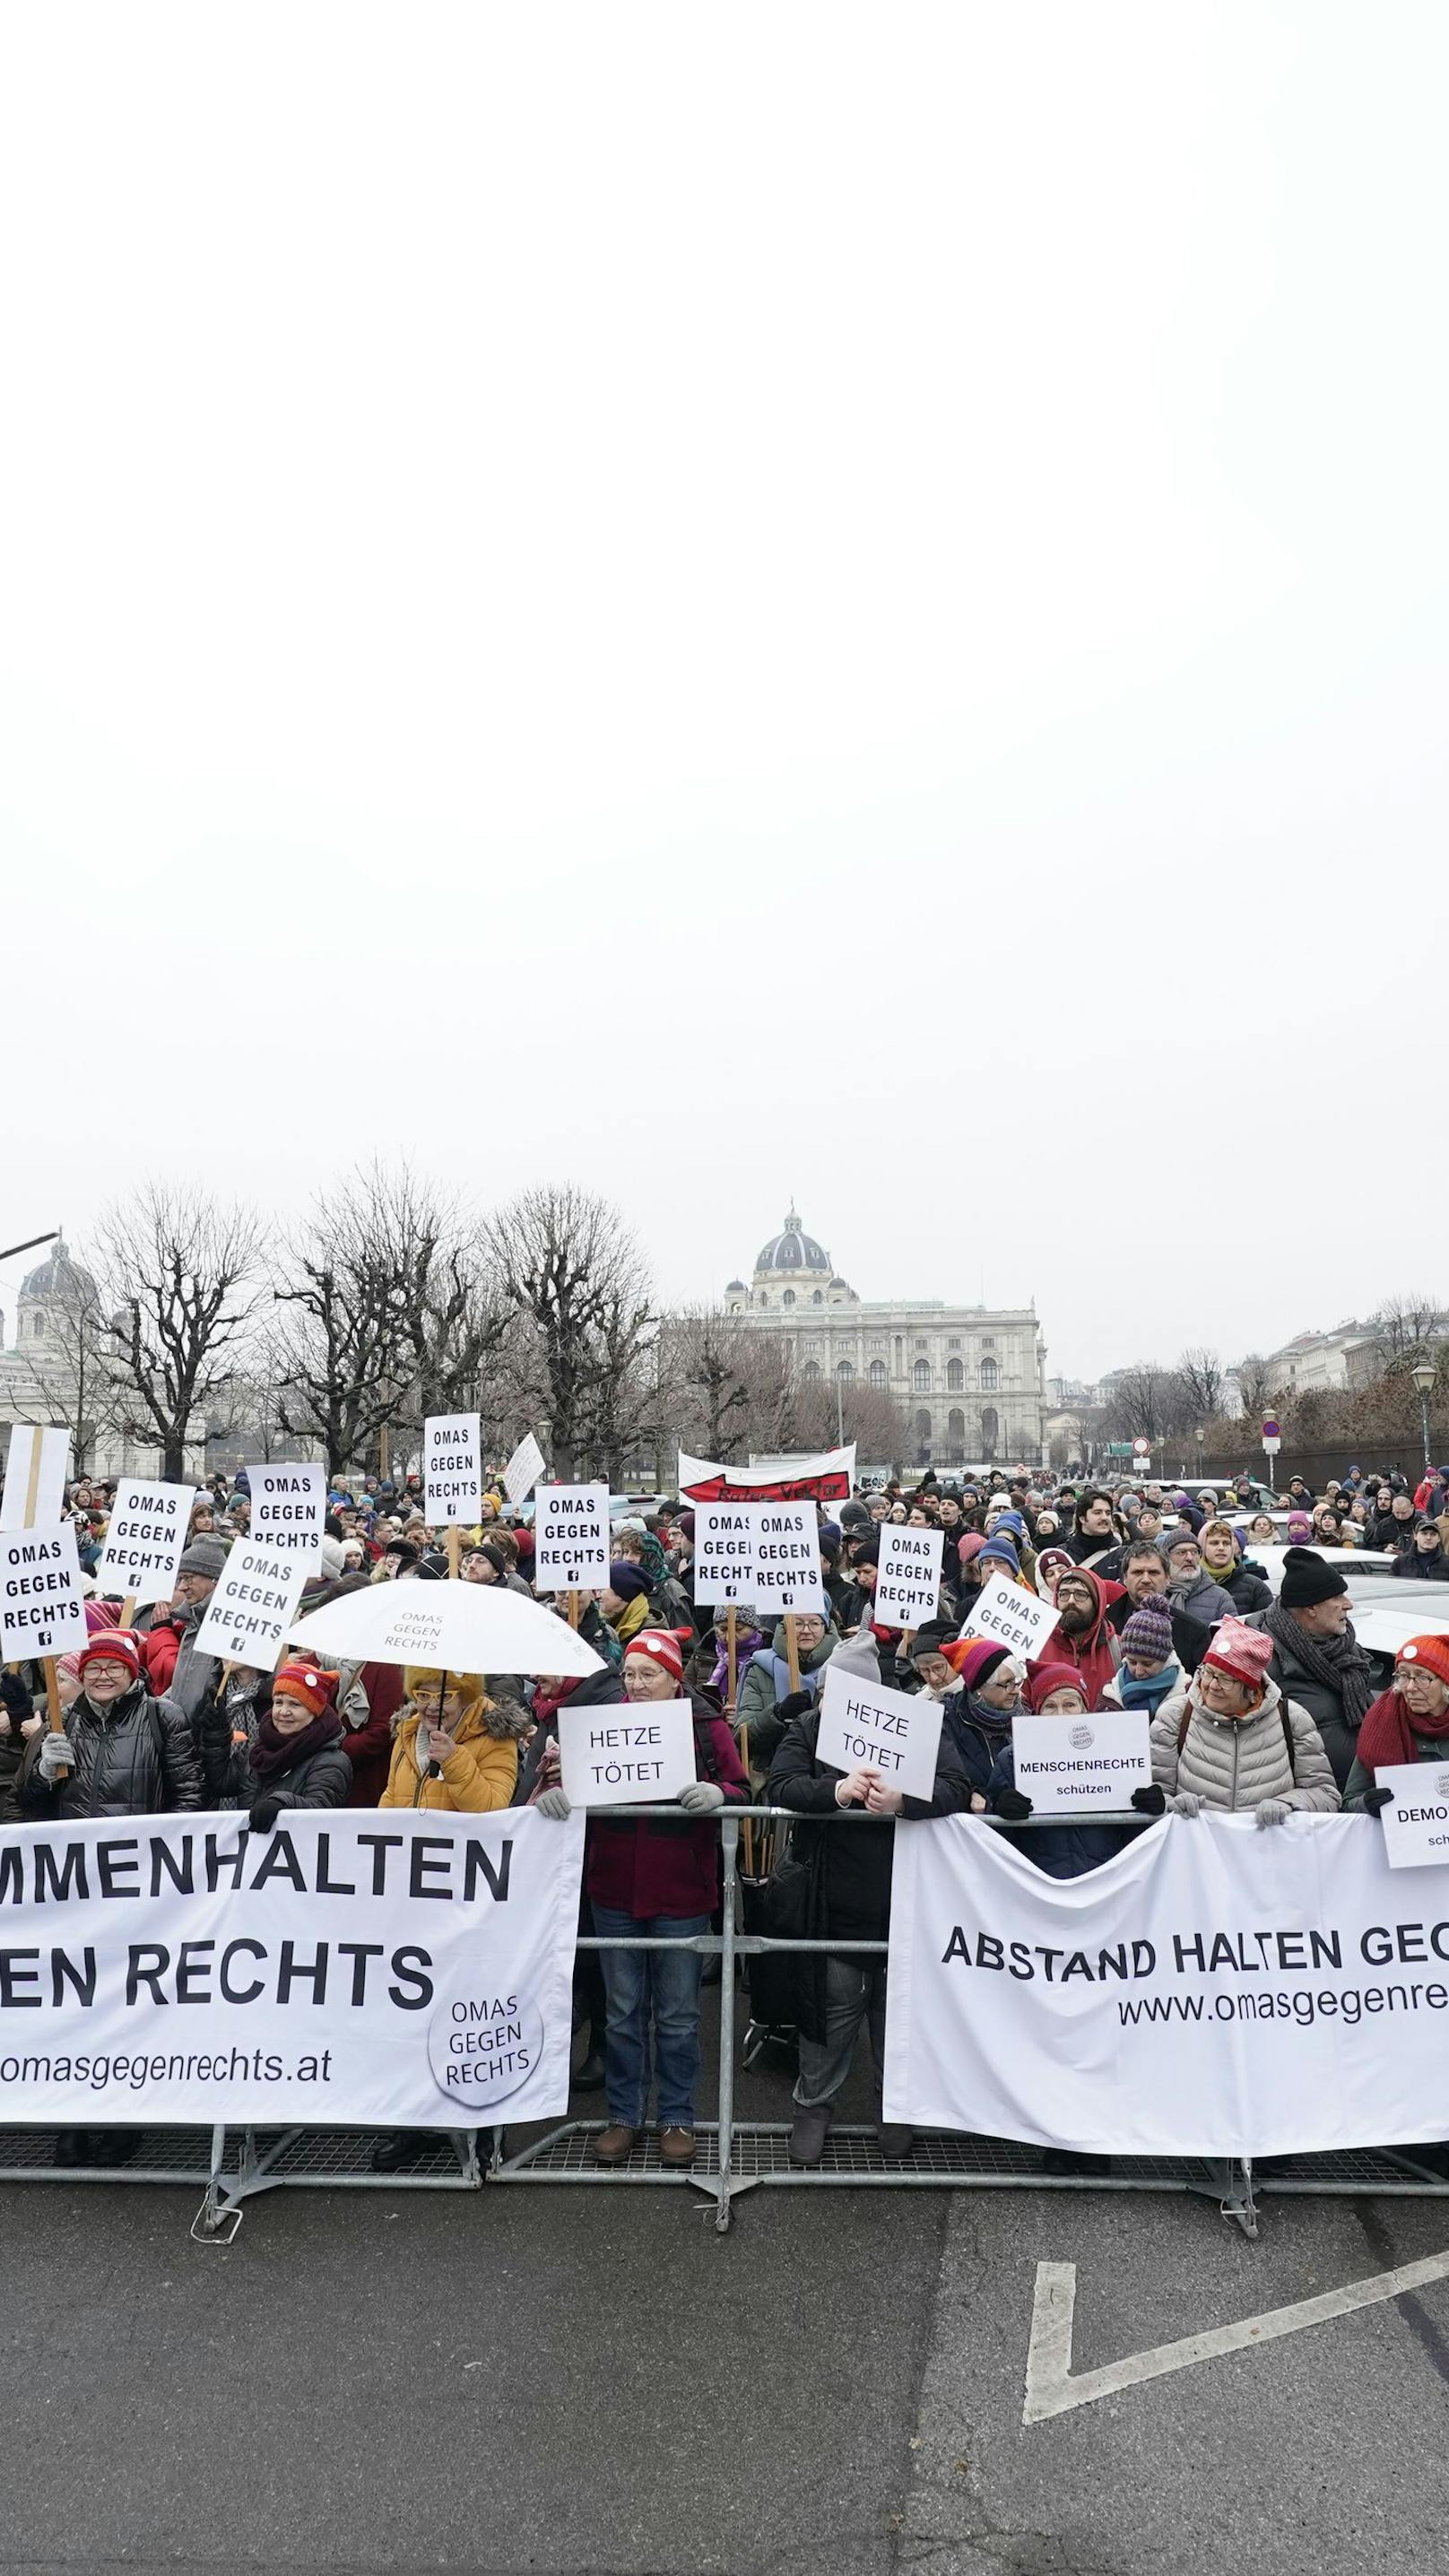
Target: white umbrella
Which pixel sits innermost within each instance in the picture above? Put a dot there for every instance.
(451, 1627)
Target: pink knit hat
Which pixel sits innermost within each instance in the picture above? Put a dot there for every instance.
(1243, 1653)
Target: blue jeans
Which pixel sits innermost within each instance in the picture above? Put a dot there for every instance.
(658, 1984)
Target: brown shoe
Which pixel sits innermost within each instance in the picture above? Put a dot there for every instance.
(614, 2145)
(676, 2146)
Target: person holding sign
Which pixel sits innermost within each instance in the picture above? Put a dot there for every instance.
(848, 1883)
(1409, 1722)
(1077, 1844)
(457, 1750)
(766, 1701)
(656, 1876)
(1231, 1740)
(173, 1665)
(123, 1753)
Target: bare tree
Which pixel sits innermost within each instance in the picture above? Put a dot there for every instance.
(1255, 1385)
(711, 1360)
(1201, 1376)
(1145, 1402)
(181, 1293)
(569, 1267)
(1406, 1328)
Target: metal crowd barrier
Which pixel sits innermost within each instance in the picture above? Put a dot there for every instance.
(732, 2156)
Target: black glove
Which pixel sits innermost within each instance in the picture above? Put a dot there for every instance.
(15, 1700)
(264, 1814)
(1150, 1799)
(1375, 1800)
(1011, 1803)
(795, 1704)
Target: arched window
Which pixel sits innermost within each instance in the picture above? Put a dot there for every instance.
(812, 1368)
(787, 1297)
(955, 1376)
(921, 1377)
(817, 1297)
(845, 1368)
(990, 1433)
(37, 1328)
(923, 1424)
(877, 1372)
(989, 1375)
(955, 1436)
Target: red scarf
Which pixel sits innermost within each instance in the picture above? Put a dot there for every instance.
(1388, 1731)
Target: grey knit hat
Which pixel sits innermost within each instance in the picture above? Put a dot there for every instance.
(205, 1556)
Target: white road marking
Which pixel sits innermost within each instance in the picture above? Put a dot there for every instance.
(1051, 2389)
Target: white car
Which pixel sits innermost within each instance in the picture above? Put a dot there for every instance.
(1382, 1625)
(1353, 1563)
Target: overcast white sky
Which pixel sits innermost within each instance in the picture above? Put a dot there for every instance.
(581, 582)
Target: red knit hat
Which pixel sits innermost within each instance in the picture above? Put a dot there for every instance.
(117, 1645)
(1042, 1680)
(1243, 1653)
(662, 1646)
(1431, 1654)
(315, 1689)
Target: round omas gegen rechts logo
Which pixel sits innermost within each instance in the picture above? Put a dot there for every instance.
(1081, 1739)
(484, 2041)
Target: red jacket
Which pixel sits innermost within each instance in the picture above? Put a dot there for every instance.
(645, 1865)
(159, 1651)
(1092, 1653)
(369, 1747)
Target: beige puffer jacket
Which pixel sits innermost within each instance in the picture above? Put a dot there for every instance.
(1233, 1765)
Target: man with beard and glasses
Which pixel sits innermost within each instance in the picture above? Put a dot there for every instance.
(1144, 1575)
(1084, 1637)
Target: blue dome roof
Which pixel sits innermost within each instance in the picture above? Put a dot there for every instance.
(793, 1249)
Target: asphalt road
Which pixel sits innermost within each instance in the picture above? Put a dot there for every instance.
(554, 2380)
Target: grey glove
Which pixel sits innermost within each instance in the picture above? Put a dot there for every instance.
(1272, 1811)
(57, 1753)
(555, 1804)
(701, 1797)
(1183, 1802)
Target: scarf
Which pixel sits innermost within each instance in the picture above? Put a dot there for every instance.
(1150, 1692)
(633, 1617)
(1339, 1663)
(1388, 1732)
(273, 1752)
(654, 1564)
(748, 1641)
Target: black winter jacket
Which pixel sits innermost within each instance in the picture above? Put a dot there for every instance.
(1245, 1587)
(136, 1758)
(857, 1858)
(320, 1779)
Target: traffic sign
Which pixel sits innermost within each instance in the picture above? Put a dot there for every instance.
(1141, 1448)
(1272, 1437)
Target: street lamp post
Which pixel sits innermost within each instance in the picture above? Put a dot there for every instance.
(1424, 1376)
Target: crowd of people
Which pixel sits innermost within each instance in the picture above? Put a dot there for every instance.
(1257, 1699)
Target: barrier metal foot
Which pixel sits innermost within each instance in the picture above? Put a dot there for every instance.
(1238, 2202)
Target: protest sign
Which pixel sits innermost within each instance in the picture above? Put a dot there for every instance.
(523, 1470)
(1011, 1617)
(35, 1465)
(452, 1468)
(289, 1504)
(144, 1540)
(414, 1979)
(1212, 1990)
(1416, 1820)
(724, 1551)
(787, 1560)
(897, 1733)
(625, 1756)
(908, 1577)
(1069, 1765)
(825, 1479)
(570, 1538)
(42, 1611)
(254, 1603)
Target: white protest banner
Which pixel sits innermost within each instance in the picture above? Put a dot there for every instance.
(35, 1465)
(787, 1560)
(289, 1504)
(417, 1978)
(897, 1733)
(1213, 1990)
(254, 1603)
(1069, 1765)
(523, 1470)
(627, 1755)
(144, 1540)
(570, 1538)
(1416, 1820)
(1011, 1617)
(724, 1551)
(42, 1611)
(908, 1577)
(452, 1468)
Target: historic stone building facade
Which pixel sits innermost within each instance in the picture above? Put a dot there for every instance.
(971, 1380)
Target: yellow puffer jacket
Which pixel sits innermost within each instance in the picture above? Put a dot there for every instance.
(480, 1771)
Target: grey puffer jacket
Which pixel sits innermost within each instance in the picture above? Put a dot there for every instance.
(1233, 1764)
(136, 1758)
(1204, 1599)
